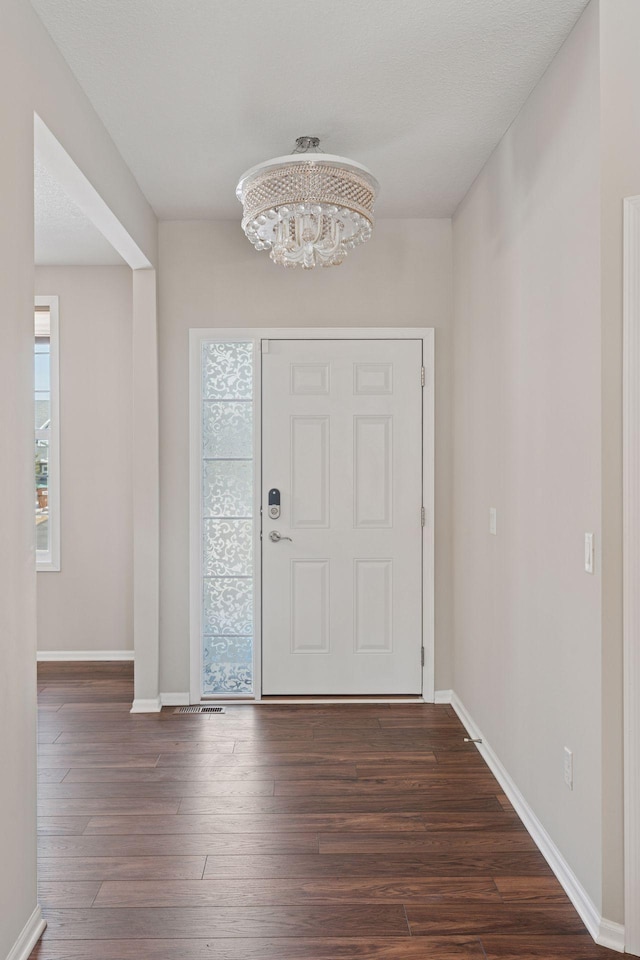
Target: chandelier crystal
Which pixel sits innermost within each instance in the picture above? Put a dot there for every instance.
(308, 208)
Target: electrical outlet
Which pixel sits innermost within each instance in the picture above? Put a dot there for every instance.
(493, 521)
(568, 768)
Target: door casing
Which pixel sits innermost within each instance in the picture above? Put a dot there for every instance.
(260, 336)
(631, 572)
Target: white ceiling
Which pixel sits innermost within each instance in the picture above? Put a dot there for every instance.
(195, 91)
(64, 236)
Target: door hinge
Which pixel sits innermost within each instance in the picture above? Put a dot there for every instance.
(423, 376)
(423, 516)
(422, 656)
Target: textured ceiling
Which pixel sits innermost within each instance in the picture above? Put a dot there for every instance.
(195, 91)
(64, 236)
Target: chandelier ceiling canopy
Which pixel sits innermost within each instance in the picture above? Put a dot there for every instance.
(308, 208)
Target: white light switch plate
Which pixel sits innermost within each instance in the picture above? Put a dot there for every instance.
(588, 552)
(493, 521)
(568, 768)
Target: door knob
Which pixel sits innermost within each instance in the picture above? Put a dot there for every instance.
(275, 537)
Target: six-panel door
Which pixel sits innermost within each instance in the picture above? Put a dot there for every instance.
(342, 443)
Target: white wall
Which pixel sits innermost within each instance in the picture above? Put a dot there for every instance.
(528, 440)
(33, 76)
(620, 124)
(17, 553)
(88, 605)
(210, 276)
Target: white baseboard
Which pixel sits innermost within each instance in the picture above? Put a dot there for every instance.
(175, 699)
(443, 696)
(29, 936)
(364, 700)
(611, 935)
(604, 932)
(54, 656)
(146, 706)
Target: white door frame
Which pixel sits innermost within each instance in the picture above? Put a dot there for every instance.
(258, 335)
(631, 568)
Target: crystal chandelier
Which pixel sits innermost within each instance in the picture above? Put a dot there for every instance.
(307, 208)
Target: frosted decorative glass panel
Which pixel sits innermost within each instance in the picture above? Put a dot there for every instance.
(227, 664)
(227, 430)
(227, 528)
(228, 606)
(227, 371)
(227, 488)
(228, 548)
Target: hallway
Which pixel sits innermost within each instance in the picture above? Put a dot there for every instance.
(279, 833)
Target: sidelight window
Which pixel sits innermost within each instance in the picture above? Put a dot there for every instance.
(227, 514)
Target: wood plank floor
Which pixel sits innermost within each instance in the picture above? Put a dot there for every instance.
(280, 832)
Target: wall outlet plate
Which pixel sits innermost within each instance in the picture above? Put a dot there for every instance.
(493, 521)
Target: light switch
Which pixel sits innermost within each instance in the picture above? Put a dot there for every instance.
(588, 552)
(568, 767)
(493, 521)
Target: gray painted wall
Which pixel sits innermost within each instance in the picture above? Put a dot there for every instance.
(528, 441)
(88, 605)
(33, 77)
(210, 276)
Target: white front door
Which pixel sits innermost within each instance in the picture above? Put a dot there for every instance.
(342, 588)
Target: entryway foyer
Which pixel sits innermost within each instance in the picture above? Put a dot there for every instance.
(280, 833)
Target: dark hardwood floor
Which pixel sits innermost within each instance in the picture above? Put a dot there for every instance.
(280, 832)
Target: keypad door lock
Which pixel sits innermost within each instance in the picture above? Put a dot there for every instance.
(273, 504)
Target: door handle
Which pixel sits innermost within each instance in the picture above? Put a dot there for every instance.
(275, 537)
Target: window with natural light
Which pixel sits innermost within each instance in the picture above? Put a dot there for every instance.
(47, 461)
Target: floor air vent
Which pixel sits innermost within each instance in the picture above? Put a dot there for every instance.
(199, 709)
